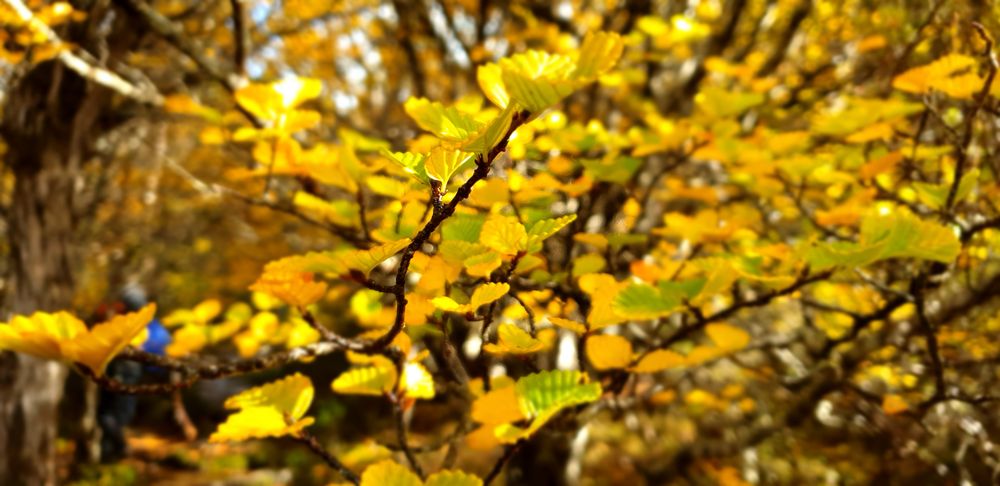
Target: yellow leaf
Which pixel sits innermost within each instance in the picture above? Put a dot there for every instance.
(504, 234)
(453, 478)
(338, 263)
(443, 163)
(487, 137)
(417, 382)
(607, 351)
(271, 101)
(894, 404)
(388, 473)
(41, 334)
(482, 265)
(206, 310)
(947, 74)
(574, 326)
(376, 379)
(598, 54)
(447, 123)
(96, 348)
(658, 360)
(878, 131)
(726, 337)
(484, 294)
(537, 80)
(295, 288)
(490, 81)
(271, 410)
(499, 406)
(514, 340)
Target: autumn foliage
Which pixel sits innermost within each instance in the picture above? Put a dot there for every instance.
(737, 242)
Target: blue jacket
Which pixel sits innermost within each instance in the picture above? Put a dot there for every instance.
(158, 338)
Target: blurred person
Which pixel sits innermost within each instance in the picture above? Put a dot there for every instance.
(115, 411)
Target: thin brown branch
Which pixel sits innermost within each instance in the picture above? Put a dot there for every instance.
(403, 441)
(313, 444)
(483, 165)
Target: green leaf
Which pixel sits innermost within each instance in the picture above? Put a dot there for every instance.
(544, 229)
(483, 141)
(537, 80)
(447, 123)
(463, 227)
(612, 169)
(338, 262)
(722, 103)
(457, 251)
(936, 195)
(542, 392)
(899, 234)
(588, 263)
(443, 163)
(643, 302)
(907, 236)
(543, 395)
(412, 163)
(484, 294)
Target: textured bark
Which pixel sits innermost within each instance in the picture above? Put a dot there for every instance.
(48, 122)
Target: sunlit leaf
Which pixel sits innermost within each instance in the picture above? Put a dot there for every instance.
(598, 53)
(376, 379)
(899, 234)
(568, 324)
(607, 351)
(271, 410)
(453, 478)
(443, 163)
(727, 337)
(949, 74)
(511, 339)
(448, 123)
(484, 294)
(544, 229)
(99, 346)
(295, 288)
(490, 78)
(659, 360)
(388, 473)
(504, 234)
(499, 406)
(417, 382)
(41, 334)
(487, 137)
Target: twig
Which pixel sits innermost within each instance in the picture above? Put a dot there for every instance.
(397, 409)
(483, 165)
(314, 445)
(192, 372)
(508, 453)
(970, 116)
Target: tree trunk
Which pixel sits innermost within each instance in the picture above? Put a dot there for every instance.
(48, 124)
